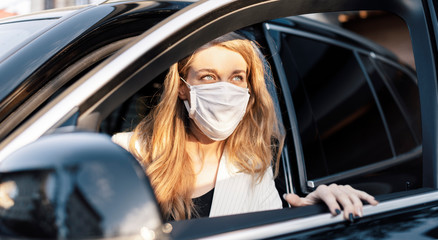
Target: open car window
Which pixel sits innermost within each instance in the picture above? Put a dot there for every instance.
(347, 95)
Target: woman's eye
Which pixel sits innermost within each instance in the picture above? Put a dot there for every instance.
(208, 77)
(238, 78)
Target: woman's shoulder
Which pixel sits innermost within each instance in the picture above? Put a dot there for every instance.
(122, 139)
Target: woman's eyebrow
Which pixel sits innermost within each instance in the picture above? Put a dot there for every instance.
(210, 70)
(239, 71)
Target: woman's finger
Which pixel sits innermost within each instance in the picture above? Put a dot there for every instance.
(365, 196)
(344, 198)
(335, 196)
(297, 201)
(355, 200)
(323, 193)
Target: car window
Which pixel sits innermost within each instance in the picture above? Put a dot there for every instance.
(404, 85)
(59, 84)
(347, 92)
(335, 108)
(342, 100)
(126, 116)
(63, 70)
(15, 33)
(402, 120)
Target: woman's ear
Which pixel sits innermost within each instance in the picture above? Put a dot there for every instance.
(183, 91)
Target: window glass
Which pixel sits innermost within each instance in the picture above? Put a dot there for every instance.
(132, 111)
(399, 119)
(405, 86)
(13, 34)
(336, 111)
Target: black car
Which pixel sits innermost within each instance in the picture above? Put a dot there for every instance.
(350, 108)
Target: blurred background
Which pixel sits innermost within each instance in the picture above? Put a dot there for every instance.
(17, 7)
(373, 25)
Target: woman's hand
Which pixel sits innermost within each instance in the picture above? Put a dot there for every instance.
(333, 195)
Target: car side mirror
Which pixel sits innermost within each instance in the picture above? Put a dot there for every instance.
(76, 185)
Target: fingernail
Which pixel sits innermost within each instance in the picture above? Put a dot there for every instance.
(284, 196)
(350, 217)
(337, 211)
(359, 212)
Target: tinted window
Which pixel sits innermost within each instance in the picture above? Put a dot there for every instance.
(127, 116)
(405, 89)
(404, 132)
(338, 118)
(15, 33)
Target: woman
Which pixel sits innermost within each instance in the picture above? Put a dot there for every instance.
(209, 144)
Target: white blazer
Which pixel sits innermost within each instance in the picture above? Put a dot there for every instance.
(235, 192)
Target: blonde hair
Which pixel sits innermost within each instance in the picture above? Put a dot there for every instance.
(162, 134)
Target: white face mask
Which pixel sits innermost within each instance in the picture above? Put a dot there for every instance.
(217, 108)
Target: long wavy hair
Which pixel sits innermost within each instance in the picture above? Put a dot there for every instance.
(162, 134)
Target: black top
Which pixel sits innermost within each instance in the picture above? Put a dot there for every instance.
(203, 204)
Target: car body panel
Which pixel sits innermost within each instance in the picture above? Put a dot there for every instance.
(314, 221)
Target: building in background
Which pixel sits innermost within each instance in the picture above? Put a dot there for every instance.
(16, 7)
(4, 13)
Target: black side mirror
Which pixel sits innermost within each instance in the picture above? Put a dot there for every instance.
(76, 185)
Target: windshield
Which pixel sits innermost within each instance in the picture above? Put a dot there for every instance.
(14, 34)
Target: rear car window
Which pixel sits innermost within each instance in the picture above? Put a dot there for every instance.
(336, 110)
(356, 109)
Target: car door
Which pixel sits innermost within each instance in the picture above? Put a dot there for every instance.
(117, 78)
(347, 92)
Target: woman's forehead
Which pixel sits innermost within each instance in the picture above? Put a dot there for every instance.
(218, 58)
